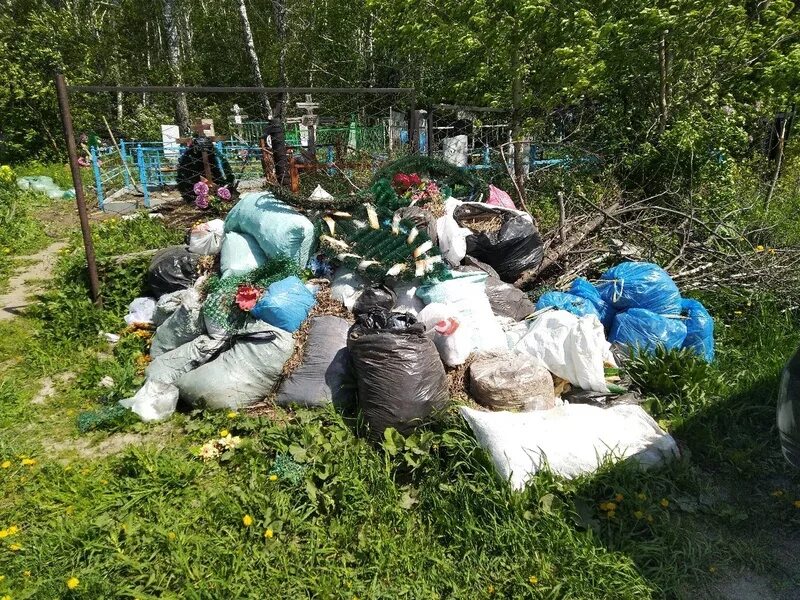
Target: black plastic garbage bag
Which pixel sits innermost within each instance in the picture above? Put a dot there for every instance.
(172, 269)
(511, 248)
(506, 300)
(375, 296)
(789, 411)
(399, 375)
(323, 375)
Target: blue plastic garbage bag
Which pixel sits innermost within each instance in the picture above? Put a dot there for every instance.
(700, 329)
(583, 288)
(569, 302)
(640, 285)
(285, 305)
(645, 330)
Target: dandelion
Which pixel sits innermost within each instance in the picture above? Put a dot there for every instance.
(273, 477)
(28, 462)
(619, 497)
(796, 503)
(610, 514)
(14, 547)
(247, 520)
(759, 248)
(641, 496)
(269, 534)
(664, 503)
(6, 597)
(490, 589)
(171, 536)
(224, 433)
(73, 582)
(533, 579)
(13, 530)
(233, 415)
(26, 573)
(5, 464)
(638, 514)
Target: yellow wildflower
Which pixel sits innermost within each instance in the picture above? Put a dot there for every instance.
(5, 464)
(771, 250)
(233, 415)
(269, 534)
(712, 569)
(224, 433)
(738, 313)
(777, 493)
(247, 520)
(14, 547)
(6, 597)
(638, 514)
(533, 579)
(759, 248)
(273, 477)
(619, 497)
(28, 461)
(13, 530)
(649, 518)
(490, 589)
(73, 582)
(641, 496)
(3, 533)
(796, 503)
(664, 503)
(26, 573)
(171, 536)
(610, 514)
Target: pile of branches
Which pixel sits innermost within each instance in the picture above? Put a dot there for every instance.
(704, 249)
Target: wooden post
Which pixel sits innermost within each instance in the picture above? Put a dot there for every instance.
(80, 200)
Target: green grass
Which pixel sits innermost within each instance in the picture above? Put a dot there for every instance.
(423, 518)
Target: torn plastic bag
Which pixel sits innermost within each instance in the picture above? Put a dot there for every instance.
(572, 440)
(505, 239)
(578, 306)
(645, 330)
(375, 296)
(505, 299)
(243, 374)
(168, 367)
(511, 381)
(347, 286)
(155, 401)
(452, 336)
(206, 238)
(465, 294)
(573, 348)
(240, 254)
(583, 288)
(286, 304)
(172, 269)
(699, 329)
(451, 236)
(640, 285)
(276, 227)
(182, 326)
(400, 379)
(141, 310)
(323, 375)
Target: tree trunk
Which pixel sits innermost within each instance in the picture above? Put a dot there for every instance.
(516, 122)
(279, 13)
(781, 138)
(663, 61)
(255, 66)
(174, 57)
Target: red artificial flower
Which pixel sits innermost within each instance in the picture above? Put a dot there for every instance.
(401, 181)
(247, 296)
(414, 180)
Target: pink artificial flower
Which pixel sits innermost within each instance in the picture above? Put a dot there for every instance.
(247, 297)
(416, 197)
(201, 201)
(82, 162)
(224, 193)
(201, 188)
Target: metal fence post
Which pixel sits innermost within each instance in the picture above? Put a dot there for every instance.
(143, 175)
(124, 155)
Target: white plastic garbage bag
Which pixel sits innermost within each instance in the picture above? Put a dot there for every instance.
(465, 294)
(155, 401)
(574, 348)
(573, 439)
(240, 254)
(207, 237)
(407, 300)
(452, 336)
(452, 237)
(141, 310)
(347, 286)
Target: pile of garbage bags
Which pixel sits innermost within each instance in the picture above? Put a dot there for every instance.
(640, 307)
(255, 328)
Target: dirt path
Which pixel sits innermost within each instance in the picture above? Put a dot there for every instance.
(25, 282)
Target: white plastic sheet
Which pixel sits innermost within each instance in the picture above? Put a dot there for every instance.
(572, 439)
(155, 401)
(141, 310)
(452, 237)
